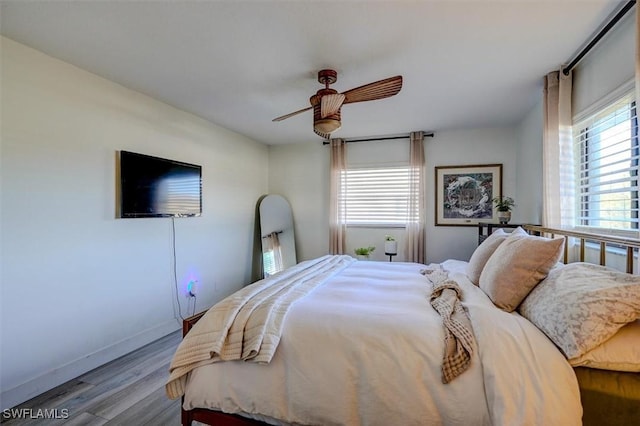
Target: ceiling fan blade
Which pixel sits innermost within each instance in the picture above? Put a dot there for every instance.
(291, 114)
(330, 104)
(376, 90)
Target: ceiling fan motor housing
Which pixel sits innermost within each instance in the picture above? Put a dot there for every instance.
(327, 77)
(327, 124)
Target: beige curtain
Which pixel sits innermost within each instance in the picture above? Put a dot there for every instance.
(415, 238)
(557, 151)
(337, 210)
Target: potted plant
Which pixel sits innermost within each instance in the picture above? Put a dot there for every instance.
(364, 252)
(503, 207)
(390, 245)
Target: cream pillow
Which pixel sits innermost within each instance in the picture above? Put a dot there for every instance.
(580, 306)
(517, 266)
(484, 251)
(620, 353)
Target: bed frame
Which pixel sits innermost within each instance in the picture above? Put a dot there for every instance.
(629, 245)
(210, 417)
(608, 397)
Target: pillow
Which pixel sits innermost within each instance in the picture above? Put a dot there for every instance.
(580, 306)
(620, 353)
(517, 266)
(485, 250)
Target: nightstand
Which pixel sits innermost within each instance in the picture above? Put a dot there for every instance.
(485, 229)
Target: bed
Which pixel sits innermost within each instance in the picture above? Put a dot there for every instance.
(364, 345)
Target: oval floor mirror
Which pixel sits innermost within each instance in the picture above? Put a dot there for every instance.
(276, 231)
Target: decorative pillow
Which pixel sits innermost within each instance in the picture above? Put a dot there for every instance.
(484, 251)
(580, 306)
(620, 353)
(517, 266)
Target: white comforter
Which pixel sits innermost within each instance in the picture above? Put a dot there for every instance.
(366, 348)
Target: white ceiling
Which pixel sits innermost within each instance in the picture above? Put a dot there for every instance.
(240, 64)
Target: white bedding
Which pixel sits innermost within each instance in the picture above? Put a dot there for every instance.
(366, 348)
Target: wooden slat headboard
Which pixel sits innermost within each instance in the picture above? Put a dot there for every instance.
(628, 244)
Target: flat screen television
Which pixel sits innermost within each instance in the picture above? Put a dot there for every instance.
(157, 187)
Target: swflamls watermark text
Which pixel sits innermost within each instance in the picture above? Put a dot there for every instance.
(35, 413)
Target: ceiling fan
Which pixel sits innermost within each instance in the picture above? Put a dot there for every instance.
(326, 103)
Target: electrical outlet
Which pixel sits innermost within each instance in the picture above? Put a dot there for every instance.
(192, 288)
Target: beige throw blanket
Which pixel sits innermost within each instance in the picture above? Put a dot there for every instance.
(248, 324)
(459, 340)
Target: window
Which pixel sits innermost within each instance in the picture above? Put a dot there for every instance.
(269, 263)
(272, 254)
(607, 153)
(376, 196)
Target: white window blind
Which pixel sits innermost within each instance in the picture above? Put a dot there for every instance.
(607, 153)
(376, 196)
(269, 263)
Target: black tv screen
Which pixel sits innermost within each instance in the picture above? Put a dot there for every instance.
(157, 187)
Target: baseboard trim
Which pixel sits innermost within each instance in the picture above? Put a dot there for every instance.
(34, 387)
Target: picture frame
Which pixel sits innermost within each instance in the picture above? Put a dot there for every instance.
(464, 194)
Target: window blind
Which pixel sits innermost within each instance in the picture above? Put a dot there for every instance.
(376, 196)
(607, 154)
(269, 263)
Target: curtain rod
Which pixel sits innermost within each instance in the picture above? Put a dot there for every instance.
(271, 233)
(381, 138)
(618, 16)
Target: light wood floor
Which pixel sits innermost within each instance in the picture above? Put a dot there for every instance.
(126, 391)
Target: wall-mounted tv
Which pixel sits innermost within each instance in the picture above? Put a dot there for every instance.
(157, 187)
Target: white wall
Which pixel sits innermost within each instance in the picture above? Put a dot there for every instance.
(466, 147)
(608, 66)
(80, 287)
(301, 174)
(529, 167)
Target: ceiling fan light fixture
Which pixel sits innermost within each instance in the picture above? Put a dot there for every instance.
(327, 125)
(327, 102)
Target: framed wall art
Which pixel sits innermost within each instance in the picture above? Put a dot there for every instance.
(464, 194)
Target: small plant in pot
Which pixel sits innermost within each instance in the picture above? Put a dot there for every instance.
(503, 207)
(364, 252)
